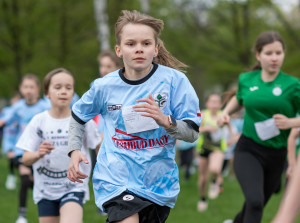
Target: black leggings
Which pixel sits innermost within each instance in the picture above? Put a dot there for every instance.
(258, 170)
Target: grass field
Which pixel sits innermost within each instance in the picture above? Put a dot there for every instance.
(226, 206)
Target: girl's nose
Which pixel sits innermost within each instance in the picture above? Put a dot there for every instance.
(139, 48)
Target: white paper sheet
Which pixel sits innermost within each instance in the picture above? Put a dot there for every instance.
(266, 129)
(135, 122)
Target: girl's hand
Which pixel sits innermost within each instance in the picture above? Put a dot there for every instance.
(223, 119)
(281, 121)
(74, 174)
(152, 110)
(45, 148)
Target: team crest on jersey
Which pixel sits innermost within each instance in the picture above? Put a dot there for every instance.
(161, 99)
(277, 91)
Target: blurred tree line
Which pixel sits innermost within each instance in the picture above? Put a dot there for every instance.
(214, 38)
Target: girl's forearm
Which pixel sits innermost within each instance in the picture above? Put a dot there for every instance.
(30, 158)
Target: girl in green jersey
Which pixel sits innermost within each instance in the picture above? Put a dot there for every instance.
(271, 100)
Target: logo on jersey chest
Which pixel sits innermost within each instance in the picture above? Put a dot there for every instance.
(52, 174)
(161, 99)
(123, 140)
(277, 91)
(254, 88)
(114, 107)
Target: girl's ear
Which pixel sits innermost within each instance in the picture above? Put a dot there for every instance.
(118, 51)
(156, 51)
(257, 56)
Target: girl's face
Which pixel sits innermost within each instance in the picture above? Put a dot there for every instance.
(107, 65)
(29, 90)
(61, 90)
(213, 103)
(271, 57)
(137, 48)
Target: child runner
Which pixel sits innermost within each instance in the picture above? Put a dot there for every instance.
(22, 112)
(293, 150)
(108, 62)
(10, 133)
(271, 99)
(186, 156)
(290, 204)
(211, 146)
(45, 141)
(146, 106)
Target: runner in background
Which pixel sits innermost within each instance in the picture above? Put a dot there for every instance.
(271, 100)
(22, 112)
(10, 133)
(211, 146)
(108, 62)
(186, 156)
(45, 141)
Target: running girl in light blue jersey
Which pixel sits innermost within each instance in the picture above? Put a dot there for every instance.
(22, 112)
(8, 143)
(146, 106)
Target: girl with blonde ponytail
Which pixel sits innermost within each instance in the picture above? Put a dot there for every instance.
(146, 106)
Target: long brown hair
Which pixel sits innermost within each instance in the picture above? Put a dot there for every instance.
(135, 17)
(264, 39)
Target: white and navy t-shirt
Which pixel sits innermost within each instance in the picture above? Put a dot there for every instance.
(141, 162)
(50, 172)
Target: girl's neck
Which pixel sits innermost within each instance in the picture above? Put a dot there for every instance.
(60, 112)
(213, 113)
(31, 101)
(268, 77)
(132, 74)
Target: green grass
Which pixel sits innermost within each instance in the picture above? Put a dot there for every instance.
(224, 207)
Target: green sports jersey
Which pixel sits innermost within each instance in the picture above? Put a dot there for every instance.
(264, 99)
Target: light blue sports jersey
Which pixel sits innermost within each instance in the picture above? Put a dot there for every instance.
(22, 113)
(142, 162)
(10, 133)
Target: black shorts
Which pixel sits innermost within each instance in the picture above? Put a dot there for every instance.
(128, 204)
(186, 156)
(205, 152)
(17, 160)
(51, 207)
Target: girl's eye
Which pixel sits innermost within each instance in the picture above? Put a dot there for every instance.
(129, 44)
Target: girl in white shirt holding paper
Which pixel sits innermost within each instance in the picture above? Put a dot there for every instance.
(45, 141)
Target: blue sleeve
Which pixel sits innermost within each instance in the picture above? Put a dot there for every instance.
(88, 106)
(74, 99)
(185, 102)
(9, 116)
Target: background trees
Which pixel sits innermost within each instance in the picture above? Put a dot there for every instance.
(213, 37)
